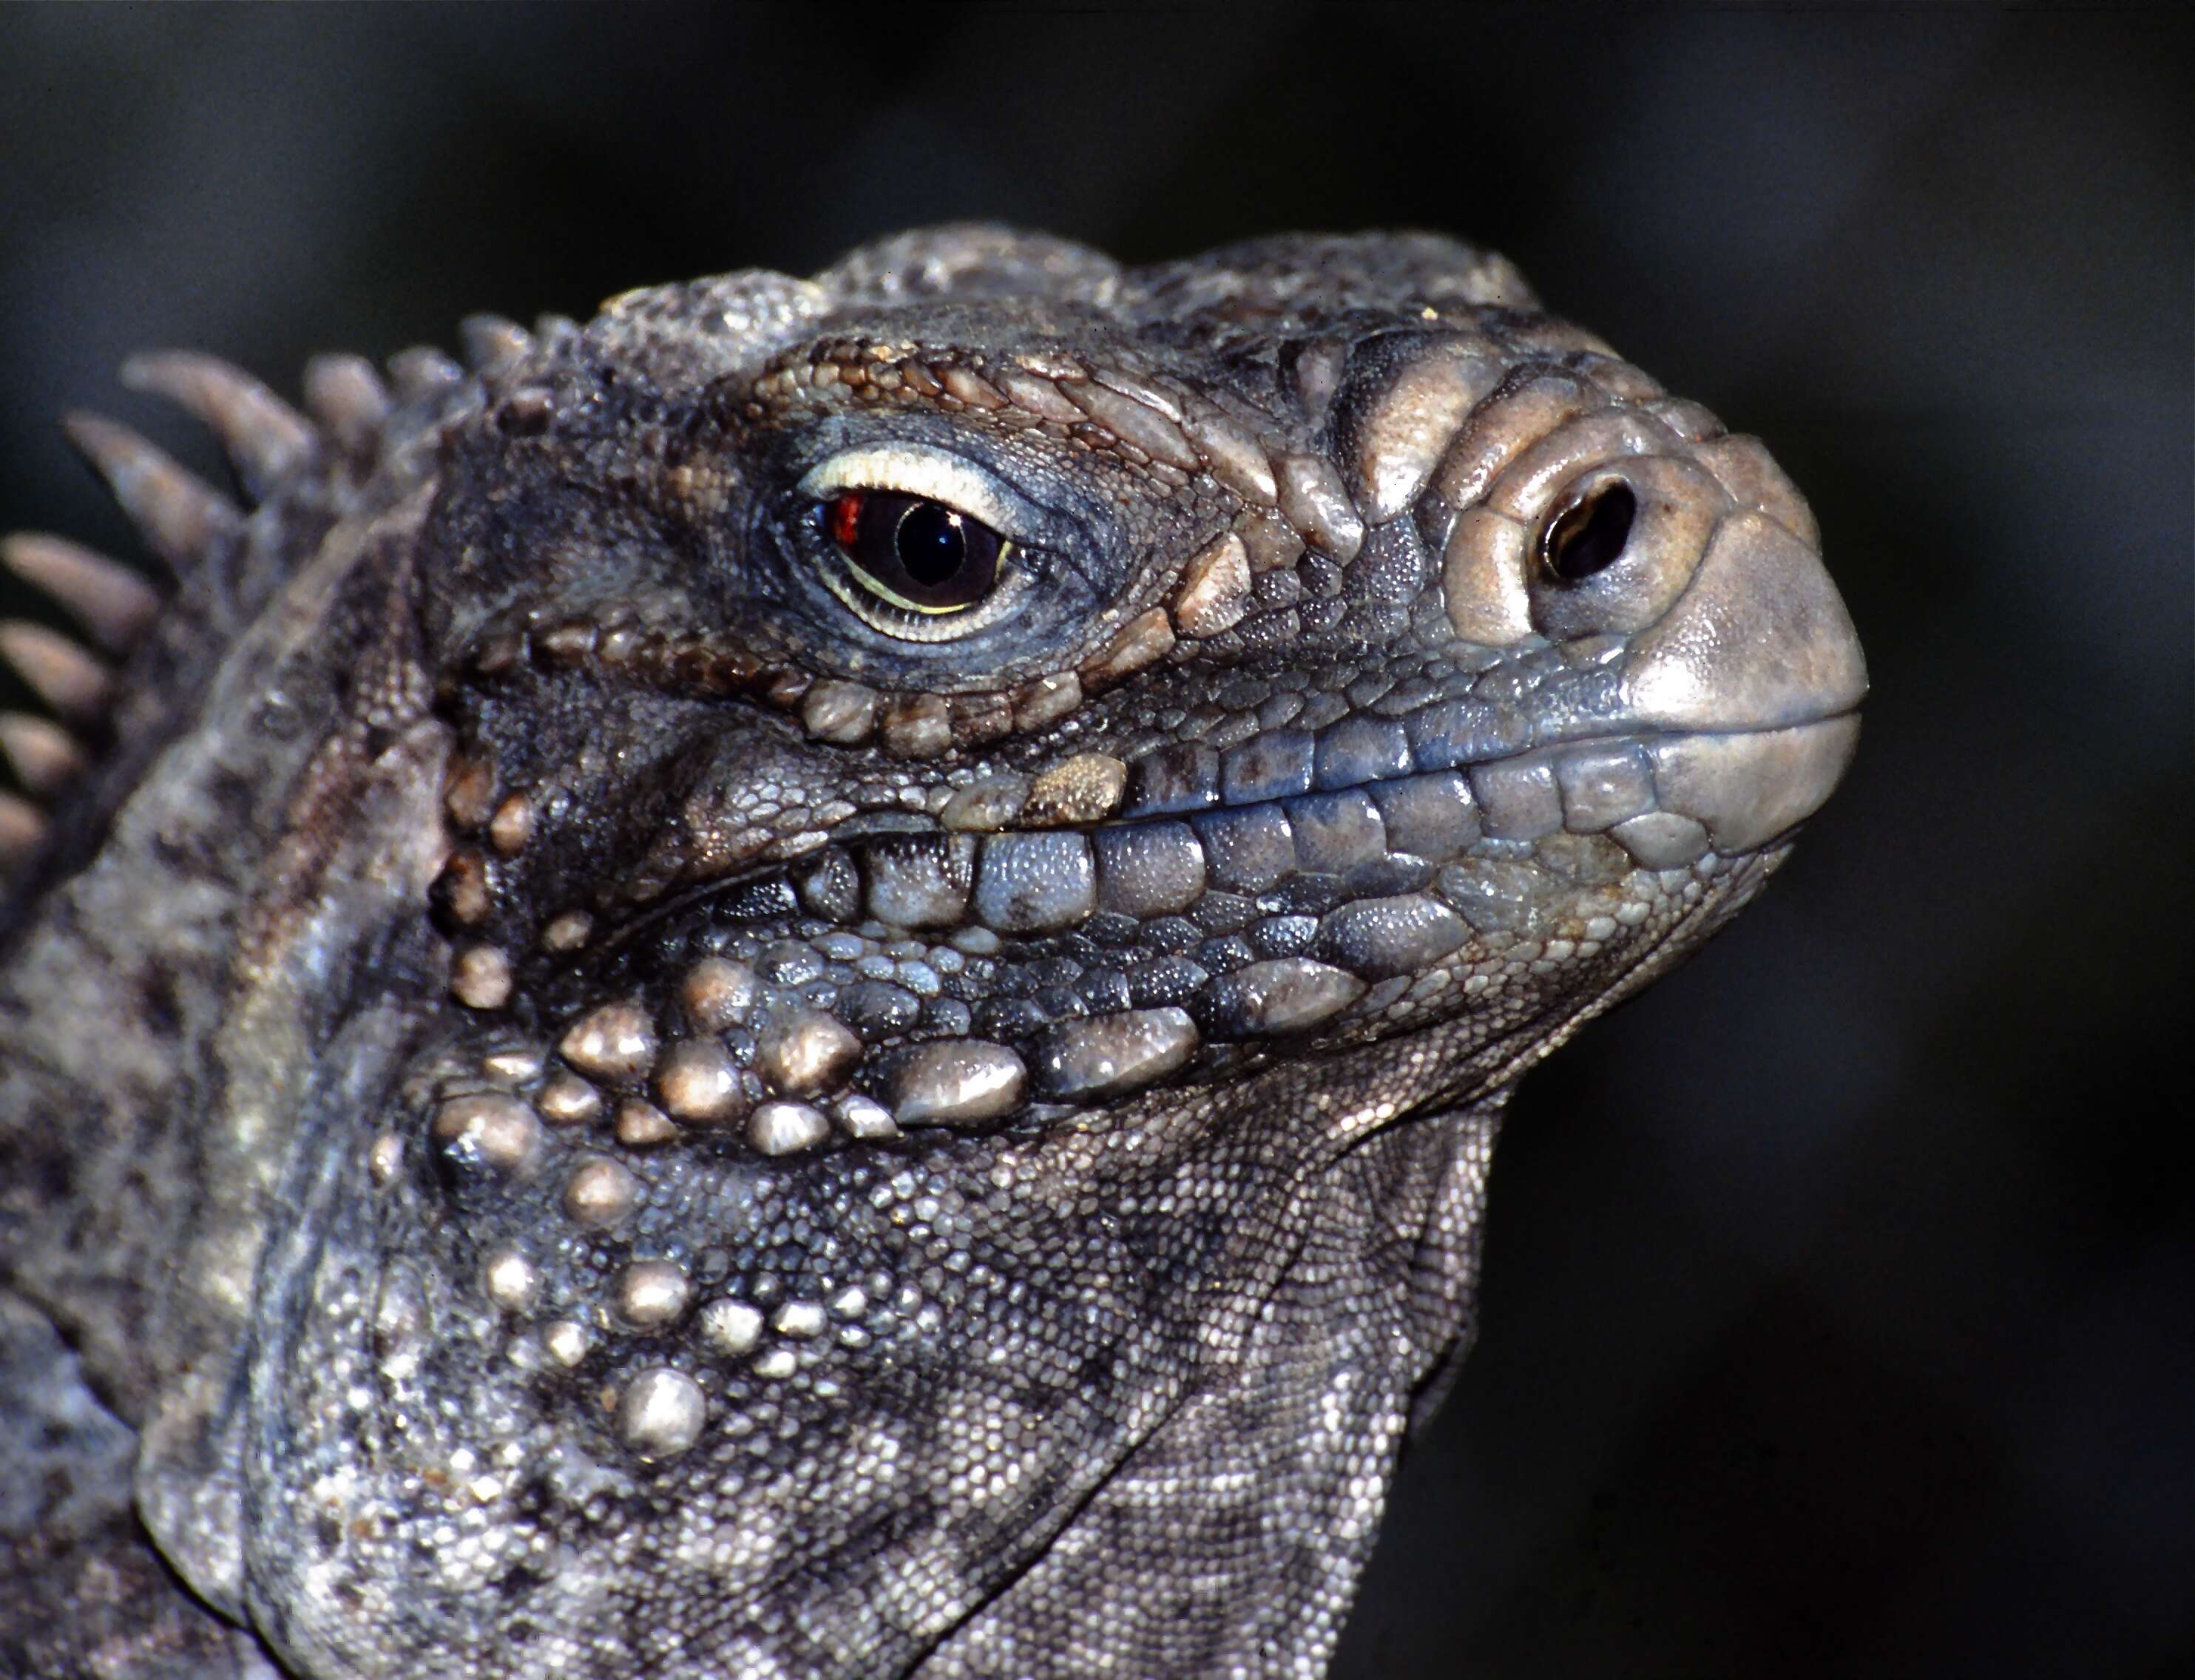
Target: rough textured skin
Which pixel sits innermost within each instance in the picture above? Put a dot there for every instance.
(590, 1103)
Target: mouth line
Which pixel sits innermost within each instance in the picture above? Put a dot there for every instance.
(1669, 797)
(891, 824)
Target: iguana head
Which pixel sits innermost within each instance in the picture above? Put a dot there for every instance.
(855, 1001)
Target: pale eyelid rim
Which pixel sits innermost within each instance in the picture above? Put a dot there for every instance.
(927, 629)
(915, 469)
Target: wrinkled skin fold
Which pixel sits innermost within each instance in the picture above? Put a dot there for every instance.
(620, 1063)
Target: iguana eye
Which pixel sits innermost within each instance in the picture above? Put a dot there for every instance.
(914, 553)
(920, 543)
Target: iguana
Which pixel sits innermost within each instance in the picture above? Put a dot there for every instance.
(816, 980)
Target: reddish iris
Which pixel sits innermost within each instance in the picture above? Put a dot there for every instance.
(846, 520)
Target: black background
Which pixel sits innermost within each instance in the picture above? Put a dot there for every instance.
(1839, 1298)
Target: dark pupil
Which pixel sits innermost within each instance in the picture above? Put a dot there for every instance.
(930, 544)
(1589, 536)
(920, 551)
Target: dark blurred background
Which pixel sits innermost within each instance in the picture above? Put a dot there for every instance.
(1839, 1298)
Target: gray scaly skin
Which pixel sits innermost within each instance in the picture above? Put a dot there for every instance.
(601, 1090)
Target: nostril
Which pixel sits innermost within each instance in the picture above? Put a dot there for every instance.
(1616, 545)
(1589, 535)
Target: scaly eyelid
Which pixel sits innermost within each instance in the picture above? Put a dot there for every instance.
(915, 469)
